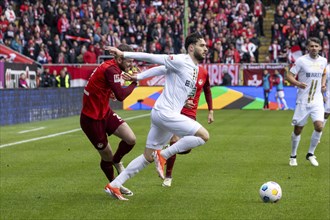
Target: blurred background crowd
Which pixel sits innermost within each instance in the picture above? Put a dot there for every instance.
(75, 31)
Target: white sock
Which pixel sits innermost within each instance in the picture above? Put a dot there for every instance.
(284, 103)
(295, 139)
(314, 141)
(184, 144)
(324, 122)
(278, 103)
(132, 168)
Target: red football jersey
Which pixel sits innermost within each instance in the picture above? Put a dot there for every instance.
(104, 83)
(202, 83)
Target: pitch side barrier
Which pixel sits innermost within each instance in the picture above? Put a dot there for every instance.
(28, 105)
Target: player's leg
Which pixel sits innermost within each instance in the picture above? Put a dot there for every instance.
(193, 133)
(128, 140)
(317, 115)
(170, 164)
(95, 130)
(326, 116)
(266, 103)
(106, 163)
(299, 120)
(278, 101)
(281, 95)
(157, 138)
(117, 126)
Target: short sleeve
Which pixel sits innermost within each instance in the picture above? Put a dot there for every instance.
(296, 67)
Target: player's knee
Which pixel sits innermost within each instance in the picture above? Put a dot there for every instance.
(205, 136)
(318, 128)
(131, 140)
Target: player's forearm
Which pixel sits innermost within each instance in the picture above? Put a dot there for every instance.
(155, 71)
(290, 77)
(121, 93)
(150, 58)
(208, 96)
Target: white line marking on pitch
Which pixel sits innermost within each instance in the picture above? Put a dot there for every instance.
(34, 129)
(61, 133)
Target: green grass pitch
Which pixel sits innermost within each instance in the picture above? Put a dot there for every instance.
(58, 177)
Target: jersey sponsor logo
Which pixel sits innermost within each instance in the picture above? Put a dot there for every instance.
(313, 74)
(189, 84)
(117, 78)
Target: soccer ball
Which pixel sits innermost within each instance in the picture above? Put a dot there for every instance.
(270, 192)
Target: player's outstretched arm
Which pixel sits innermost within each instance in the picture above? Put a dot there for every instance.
(154, 71)
(147, 57)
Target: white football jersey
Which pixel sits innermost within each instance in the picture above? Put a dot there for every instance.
(180, 81)
(309, 71)
(180, 78)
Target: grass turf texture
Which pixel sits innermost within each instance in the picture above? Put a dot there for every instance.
(60, 178)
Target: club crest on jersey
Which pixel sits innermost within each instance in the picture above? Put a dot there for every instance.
(170, 57)
(99, 145)
(117, 78)
(200, 82)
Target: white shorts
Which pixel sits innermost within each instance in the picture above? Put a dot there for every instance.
(303, 111)
(165, 124)
(280, 94)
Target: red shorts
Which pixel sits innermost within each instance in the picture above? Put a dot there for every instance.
(98, 130)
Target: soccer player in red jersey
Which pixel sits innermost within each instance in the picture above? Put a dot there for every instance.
(190, 110)
(98, 120)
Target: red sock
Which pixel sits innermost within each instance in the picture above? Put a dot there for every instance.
(123, 149)
(107, 169)
(169, 166)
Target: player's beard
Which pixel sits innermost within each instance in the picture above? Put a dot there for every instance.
(198, 56)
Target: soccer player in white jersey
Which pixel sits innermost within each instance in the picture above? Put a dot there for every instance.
(311, 82)
(181, 73)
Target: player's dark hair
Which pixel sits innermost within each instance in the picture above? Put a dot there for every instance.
(192, 39)
(125, 47)
(313, 39)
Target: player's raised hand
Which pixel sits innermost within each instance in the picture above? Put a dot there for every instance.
(210, 117)
(114, 51)
(129, 76)
(302, 85)
(189, 104)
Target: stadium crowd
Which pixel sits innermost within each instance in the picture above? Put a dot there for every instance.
(75, 31)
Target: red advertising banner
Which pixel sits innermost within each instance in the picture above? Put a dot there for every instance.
(253, 73)
(80, 73)
(216, 72)
(13, 56)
